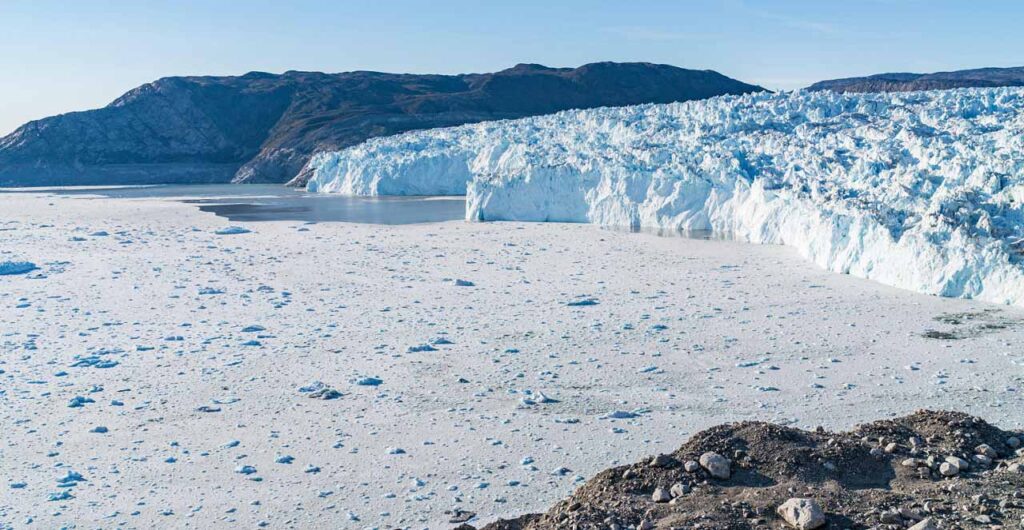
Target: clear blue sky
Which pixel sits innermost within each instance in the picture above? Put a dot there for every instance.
(58, 56)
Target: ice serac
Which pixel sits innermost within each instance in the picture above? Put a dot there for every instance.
(919, 190)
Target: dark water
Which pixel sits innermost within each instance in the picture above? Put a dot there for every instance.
(258, 202)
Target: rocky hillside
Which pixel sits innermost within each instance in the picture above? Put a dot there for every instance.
(905, 82)
(926, 471)
(263, 127)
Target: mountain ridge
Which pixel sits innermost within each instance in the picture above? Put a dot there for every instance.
(907, 82)
(263, 127)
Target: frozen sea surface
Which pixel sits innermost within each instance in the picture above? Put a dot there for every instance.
(160, 369)
(268, 202)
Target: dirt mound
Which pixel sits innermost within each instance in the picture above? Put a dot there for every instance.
(930, 469)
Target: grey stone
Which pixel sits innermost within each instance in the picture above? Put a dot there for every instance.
(986, 450)
(982, 460)
(660, 495)
(802, 514)
(925, 524)
(948, 470)
(960, 463)
(679, 489)
(717, 465)
(662, 461)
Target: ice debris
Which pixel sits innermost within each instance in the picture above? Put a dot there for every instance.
(231, 230)
(79, 401)
(368, 381)
(8, 268)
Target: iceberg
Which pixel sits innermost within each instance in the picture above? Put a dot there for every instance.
(919, 190)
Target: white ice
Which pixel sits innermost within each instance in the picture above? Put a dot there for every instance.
(921, 191)
(129, 398)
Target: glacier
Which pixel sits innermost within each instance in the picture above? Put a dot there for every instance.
(919, 190)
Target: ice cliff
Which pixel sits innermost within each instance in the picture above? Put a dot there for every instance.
(918, 190)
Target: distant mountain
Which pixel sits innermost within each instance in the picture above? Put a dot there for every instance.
(905, 82)
(263, 127)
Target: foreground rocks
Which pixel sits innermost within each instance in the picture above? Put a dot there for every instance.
(921, 471)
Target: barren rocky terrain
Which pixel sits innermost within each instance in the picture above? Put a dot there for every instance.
(927, 470)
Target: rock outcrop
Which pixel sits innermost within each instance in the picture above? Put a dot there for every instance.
(263, 127)
(879, 475)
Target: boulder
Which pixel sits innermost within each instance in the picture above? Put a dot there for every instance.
(802, 514)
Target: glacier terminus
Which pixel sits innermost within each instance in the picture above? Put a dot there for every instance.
(918, 190)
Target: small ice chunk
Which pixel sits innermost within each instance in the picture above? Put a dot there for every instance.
(8, 268)
(231, 230)
(79, 401)
(620, 415)
(312, 387)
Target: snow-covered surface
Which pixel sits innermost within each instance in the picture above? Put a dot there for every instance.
(921, 191)
(150, 376)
